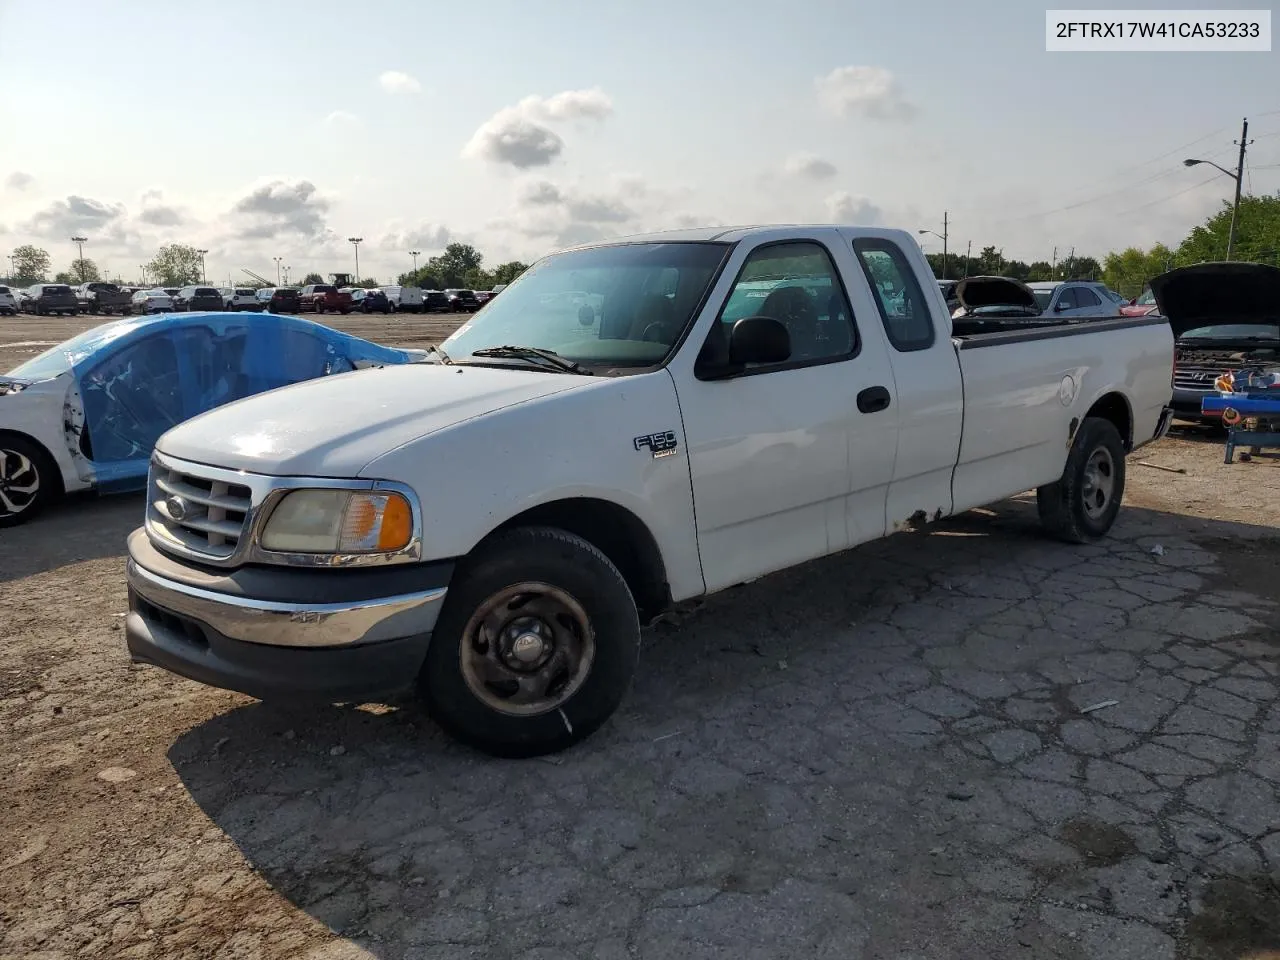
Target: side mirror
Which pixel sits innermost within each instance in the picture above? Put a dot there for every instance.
(759, 340)
(586, 315)
(1060, 307)
(1133, 301)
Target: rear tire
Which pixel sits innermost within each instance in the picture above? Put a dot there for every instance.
(28, 480)
(553, 599)
(1082, 506)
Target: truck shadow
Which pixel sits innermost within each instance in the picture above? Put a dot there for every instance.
(373, 822)
(82, 527)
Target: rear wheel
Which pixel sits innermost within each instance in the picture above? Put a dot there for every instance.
(536, 645)
(1082, 506)
(27, 481)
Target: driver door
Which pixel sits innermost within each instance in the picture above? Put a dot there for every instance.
(770, 448)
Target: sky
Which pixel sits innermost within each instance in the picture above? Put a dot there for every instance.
(280, 128)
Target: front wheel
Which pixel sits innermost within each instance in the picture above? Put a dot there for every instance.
(535, 647)
(1082, 506)
(26, 480)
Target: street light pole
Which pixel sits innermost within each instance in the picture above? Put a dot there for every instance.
(277, 260)
(414, 254)
(80, 242)
(943, 237)
(355, 242)
(1238, 177)
(204, 275)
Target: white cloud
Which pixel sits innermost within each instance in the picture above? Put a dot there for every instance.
(807, 166)
(75, 215)
(424, 237)
(864, 91)
(846, 208)
(281, 207)
(397, 81)
(519, 137)
(19, 181)
(340, 118)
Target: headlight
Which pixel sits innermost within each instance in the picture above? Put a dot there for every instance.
(339, 521)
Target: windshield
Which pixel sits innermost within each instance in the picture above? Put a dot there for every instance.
(616, 306)
(1231, 331)
(1147, 298)
(1043, 297)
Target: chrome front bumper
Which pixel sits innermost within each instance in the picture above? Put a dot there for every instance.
(281, 624)
(333, 636)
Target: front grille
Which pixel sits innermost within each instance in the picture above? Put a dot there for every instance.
(1197, 378)
(204, 515)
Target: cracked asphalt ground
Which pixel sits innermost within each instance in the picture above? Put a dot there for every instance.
(965, 742)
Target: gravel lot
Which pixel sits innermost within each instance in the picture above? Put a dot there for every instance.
(889, 754)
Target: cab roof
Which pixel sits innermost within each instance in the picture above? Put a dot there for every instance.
(752, 232)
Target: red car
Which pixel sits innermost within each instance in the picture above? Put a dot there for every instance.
(1142, 306)
(322, 297)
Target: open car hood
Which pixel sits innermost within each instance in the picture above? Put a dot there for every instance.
(1212, 293)
(974, 292)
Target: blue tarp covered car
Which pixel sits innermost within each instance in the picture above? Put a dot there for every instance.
(87, 413)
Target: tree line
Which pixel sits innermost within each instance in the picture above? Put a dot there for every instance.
(1128, 271)
(462, 265)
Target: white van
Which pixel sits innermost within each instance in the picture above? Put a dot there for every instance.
(408, 299)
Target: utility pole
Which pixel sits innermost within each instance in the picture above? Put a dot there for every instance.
(1053, 265)
(1237, 176)
(355, 242)
(1235, 210)
(968, 255)
(277, 260)
(414, 254)
(81, 241)
(204, 276)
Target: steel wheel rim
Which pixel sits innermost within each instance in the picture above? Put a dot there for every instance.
(1099, 483)
(19, 482)
(527, 649)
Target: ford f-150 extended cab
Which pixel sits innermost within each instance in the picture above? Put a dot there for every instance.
(708, 406)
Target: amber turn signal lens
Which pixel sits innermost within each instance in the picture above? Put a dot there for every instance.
(397, 524)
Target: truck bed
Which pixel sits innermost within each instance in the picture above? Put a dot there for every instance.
(971, 333)
(1024, 401)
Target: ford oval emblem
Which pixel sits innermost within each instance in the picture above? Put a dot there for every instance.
(176, 507)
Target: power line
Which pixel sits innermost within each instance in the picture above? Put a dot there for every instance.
(1152, 203)
(1110, 193)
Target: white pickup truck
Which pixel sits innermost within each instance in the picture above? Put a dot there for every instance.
(492, 529)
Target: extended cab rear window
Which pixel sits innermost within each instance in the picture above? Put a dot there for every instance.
(904, 311)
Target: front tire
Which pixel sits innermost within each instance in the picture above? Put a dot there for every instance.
(1082, 506)
(535, 647)
(27, 480)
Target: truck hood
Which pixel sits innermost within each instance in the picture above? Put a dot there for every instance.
(334, 426)
(974, 292)
(1213, 293)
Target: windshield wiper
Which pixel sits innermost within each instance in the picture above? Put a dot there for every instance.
(533, 353)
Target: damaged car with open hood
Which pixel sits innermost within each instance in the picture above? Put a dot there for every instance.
(85, 414)
(1226, 319)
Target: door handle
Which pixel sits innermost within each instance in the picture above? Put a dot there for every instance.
(873, 399)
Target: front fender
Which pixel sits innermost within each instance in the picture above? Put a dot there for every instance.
(597, 441)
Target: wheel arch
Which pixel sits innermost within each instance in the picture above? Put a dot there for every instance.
(1113, 406)
(617, 533)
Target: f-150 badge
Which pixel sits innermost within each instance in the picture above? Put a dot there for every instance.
(661, 444)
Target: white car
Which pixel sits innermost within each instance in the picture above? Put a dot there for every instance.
(1077, 298)
(407, 299)
(8, 302)
(240, 298)
(151, 301)
(352, 537)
